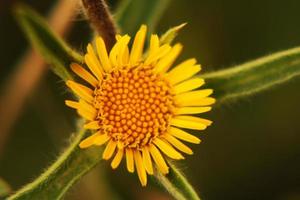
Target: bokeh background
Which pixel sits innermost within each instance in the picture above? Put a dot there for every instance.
(251, 152)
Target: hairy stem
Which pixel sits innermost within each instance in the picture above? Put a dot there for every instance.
(101, 20)
(71, 165)
(176, 184)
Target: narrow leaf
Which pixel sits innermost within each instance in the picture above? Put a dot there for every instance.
(254, 76)
(5, 189)
(132, 13)
(62, 174)
(169, 36)
(176, 184)
(54, 50)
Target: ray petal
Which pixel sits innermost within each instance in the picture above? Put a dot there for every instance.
(92, 65)
(166, 62)
(102, 54)
(188, 85)
(183, 71)
(87, 107)
(122, 55)
(207, 101)
(109, 150)
(140, 167)
(160, 53)
(138, 45)
(180, 134)
(72, 104)
(85, 114)
(81, 90)
(93, 125)
(187, 124)
(89, 141)
(101, 139)
(95, 60)
(154, 44)
(178, 145)
(192, 110)
(206, 122)
(194, 96)
(84, 74)
(129, 160)
(159, 160)
(117, 159)
(167, 149)
(147, 160)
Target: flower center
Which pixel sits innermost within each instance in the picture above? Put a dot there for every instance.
(134, 106)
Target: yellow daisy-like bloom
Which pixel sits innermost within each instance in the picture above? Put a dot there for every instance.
(136, 105)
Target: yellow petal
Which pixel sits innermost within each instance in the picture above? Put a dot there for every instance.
(138, 45)
(167, 149)
(89, 141)
(85, 75)
(159, 160)
(192, 110)
(109, 150)
(154, 44)
(85, 114)
(117, 159)
(92, 65)
(129, 160)
(101, 139)
(180, 134)
(82, 91)
(113, 54)
(91, 52)
(123, 54)
(92, 125)
(188, 85)
(187, 124)
(140, 167)
(161, 52)
(183, 71)
(147, 160)
(194, 96)
(87, 107)
(178, 145)
(102, 54)
(165, 63)
(72, 104)
(195, 119)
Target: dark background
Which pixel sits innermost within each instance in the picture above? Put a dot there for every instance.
(251, 151)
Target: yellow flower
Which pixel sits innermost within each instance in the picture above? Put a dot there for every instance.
(136, 105)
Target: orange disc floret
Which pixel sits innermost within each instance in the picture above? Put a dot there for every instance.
(134, 105)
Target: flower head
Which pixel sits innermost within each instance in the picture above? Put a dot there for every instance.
(136, 105)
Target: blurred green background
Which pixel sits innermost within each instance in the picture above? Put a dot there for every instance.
(251, 152)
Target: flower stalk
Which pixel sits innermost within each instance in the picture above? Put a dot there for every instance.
(101, 20)
(70, 166)
(176, 184)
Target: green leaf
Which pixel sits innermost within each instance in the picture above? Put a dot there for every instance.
(5, 189)
(169, 36)
(132, 13)
(63, 173)
(176, 184)
(254, 76)
(54, 50)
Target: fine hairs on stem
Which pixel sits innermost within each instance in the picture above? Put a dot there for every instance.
(101, 20)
